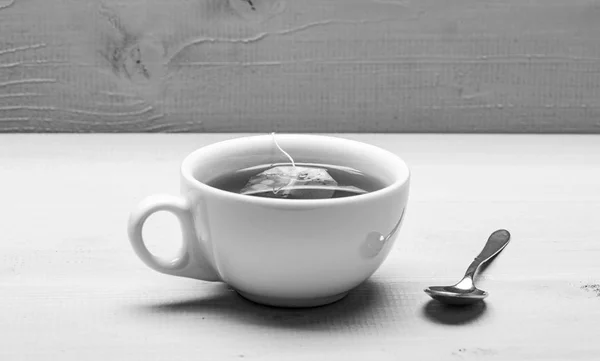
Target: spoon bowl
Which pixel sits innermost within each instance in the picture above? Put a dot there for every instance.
(455, 296)
(465, 292)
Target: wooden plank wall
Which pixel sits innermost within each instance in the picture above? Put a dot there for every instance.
(304, 65)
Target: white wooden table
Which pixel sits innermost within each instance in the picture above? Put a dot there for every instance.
(71, 287)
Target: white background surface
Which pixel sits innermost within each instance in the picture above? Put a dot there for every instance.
(71, 287)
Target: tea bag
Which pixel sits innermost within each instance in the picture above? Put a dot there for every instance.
(292, 182)
(297, 182)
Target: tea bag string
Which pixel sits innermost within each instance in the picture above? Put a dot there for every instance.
(292, 181)
(283, 151)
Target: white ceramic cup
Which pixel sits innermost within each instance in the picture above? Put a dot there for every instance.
(280, 252)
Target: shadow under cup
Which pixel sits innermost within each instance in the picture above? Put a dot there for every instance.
(294, 253)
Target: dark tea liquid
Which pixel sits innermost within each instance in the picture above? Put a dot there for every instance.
(345, 177)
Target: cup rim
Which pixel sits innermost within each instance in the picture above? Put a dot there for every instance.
(186, 170)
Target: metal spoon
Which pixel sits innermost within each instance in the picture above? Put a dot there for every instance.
(465, 292)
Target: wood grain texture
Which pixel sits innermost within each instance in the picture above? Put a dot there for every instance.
(71, 287)
(303, 66)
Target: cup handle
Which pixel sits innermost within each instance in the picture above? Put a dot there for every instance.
(191, 261)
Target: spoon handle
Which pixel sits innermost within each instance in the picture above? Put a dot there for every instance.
(495, 243)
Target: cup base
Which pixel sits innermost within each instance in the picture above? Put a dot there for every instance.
(292, 302)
